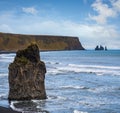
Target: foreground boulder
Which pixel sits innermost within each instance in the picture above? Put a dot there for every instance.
(26, 75)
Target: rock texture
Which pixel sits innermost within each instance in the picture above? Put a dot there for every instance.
(26, 75)
(13, 42)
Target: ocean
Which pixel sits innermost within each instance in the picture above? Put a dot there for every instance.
(76, 82)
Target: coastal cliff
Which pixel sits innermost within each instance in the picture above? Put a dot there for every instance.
(13, 42)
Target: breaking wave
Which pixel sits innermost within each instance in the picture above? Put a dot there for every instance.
(75, 68)
(7, 57)
(77, 111)
(74, 87)
(3, 74)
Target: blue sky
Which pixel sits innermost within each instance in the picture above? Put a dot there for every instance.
(95, 22)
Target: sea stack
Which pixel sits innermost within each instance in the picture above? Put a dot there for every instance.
(100, 48)
(27, 75)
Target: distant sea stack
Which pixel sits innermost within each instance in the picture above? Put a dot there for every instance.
(100, 48)
(13, 42)
(27, 75)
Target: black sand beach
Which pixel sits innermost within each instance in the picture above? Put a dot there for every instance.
(7, 110)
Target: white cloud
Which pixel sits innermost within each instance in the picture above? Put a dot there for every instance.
(90, 35)
(30, 10)
(116, 5)
(105, 11)
(5, 28)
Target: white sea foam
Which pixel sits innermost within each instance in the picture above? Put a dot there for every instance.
(94, 66)
(53, 71)
(97, 69)
(51, 97)
(13, 107)
(3, 74)
(77, 111)
(6, 60)
(74, 87)
(6, 57)
(61, 98)
(3, 96)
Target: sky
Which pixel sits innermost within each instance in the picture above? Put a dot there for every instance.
(95, 22)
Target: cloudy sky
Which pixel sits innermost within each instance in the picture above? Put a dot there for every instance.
(95, 22)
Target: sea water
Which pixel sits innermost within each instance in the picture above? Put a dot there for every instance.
(76, 82)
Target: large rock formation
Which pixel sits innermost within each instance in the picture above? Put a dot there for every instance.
(100, 48)
(13, 42)
(26, 75)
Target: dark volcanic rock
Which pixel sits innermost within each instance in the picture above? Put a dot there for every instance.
(99, 47)
(31, 53)
(26, 75)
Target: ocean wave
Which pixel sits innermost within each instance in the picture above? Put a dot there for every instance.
(75, 68)
(13, 106)
(104, 89)
(6, 60)
(74, 87)
(53, 97)
(3, 96)
(6, 57)
(77, 111)
(93, 102)
(95, 66)
(3, 74)
(61, 98)
(53, 63)
(34, 105)
(54, 71)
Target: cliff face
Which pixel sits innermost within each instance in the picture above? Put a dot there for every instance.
(27, 75)
(14, 42)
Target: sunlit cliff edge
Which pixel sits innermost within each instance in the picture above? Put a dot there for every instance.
(13, 42)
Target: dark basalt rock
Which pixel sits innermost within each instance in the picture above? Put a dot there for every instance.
(100, 48)
(105, 48)
(26, 75)
(97, 47)
(31, 53)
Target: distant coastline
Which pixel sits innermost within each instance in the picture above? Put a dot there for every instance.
(13, 42)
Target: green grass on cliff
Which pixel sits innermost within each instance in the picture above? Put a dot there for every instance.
(14, 42)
